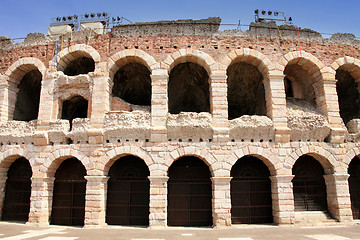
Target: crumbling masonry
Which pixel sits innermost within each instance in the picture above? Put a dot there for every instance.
(179, 124)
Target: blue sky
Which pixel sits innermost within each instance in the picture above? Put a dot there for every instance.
(20, 17)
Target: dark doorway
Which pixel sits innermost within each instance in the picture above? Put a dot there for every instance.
(188, 89)
(354, 186)
(75, 107)
(189, 193)
(68, 206)
(128, 192)
(82, 65)
(132, 83)
(28, 97)
(309, 185)
(250, 192)
(17, 191)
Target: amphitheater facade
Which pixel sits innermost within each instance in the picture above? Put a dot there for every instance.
(176, 128)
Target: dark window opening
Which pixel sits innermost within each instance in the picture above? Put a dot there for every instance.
(75, 107)
(17, 191)
(188, 89)
(68, 207)
(28, 97)
(189, 193)
(348, 94)
(251, 200)
(132, 83)
(309, 186)
(288, 88)
(354, 186)
(128, 192)
(82, 65)
(246, 93)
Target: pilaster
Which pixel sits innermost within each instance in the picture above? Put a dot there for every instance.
(221, 201)
(158, 201)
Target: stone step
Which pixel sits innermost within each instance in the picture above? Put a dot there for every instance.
(313, 217)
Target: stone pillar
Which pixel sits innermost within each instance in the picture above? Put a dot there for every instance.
(95, 201)
(221, 203)
(3, 179)
(282, 199)
(4, 106)
(219, 107)
(276, 106)
(338, 196)
(158, 201)
(327, 102)
(100, 104)
(159, 105)
(41, 200)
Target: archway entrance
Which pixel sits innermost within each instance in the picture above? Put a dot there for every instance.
(250, 192)
(354, 186)
(128, 192)
(309, 185)
(68, 206)
(17, 191)
(189, 193)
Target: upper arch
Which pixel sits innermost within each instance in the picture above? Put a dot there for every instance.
(350, 64)
(250, 56)
(22, 66)
(189, 55)
(119, 59)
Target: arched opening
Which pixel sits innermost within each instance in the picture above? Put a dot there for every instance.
(189, 193)
(17, 191)
(246, 94)
(81, 65)
(75, 107)
(188, 89)
(68, 206)
(309, 186)
(28, 97)
(354, 186)
(250, 192)
(348, 95)
(128, 192)
(299, 82)
(132, 83)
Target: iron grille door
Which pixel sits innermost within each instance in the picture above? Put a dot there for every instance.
(17, 191)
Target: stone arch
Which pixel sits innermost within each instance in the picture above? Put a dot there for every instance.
(57, 157)
(350, 154)
(325, 158)
(250, 56)
(68, 54)
(270, 159)
(9, 156)
(189, 55)
(114, 154)
(202, 154)
(350, 64)
(119, 59)
(22, 66)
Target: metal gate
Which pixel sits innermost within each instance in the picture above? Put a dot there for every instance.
(354, 186)
(189, 193)
(250, 192)
(17, 191)
(128, 192)
(68, 206)
(309, 186)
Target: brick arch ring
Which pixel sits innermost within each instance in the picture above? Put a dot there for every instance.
(9, 156)
(189, 55)
(269, 159)
(23, 66)
(247, 55)
(202, 154)
(128, 56)
(84, 49)
(57, 157)
(118, 152)
(347, 61)
(349, 156)
(325, 158)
